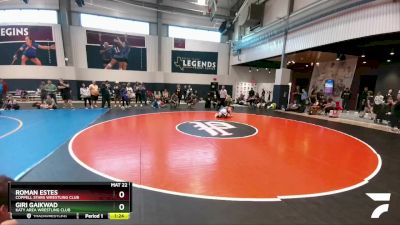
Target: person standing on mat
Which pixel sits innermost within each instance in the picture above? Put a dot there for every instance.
(85, 95)
(117, 94)
(105, 95)
(94, 93)
(51, 90)
(363, 100)
(222, 96)
(65, 91)
(346, 96)
(395, 116)
(43, 93)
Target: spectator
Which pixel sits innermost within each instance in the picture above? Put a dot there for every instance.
(136, 88)
(293, 107)
(263, 94)
(222, 96)
(130, 94)
(143, 94)
(105, 94)
(11, 103)
(379, 107)
(191, 100)
(49, 103)
(43, 93)
(165, 96)
(369, 105)
(174, 102)
(184, 91)
(85, 95)
(346, 96)
(363, 100)
(189, 91)
(330, 105)
(313, 96)
(389, 95)
(395, 116)
(3, 91)
(240, 100)
(228, 100)
(304, 97)
(297, 94)
(208, 100)
(179, 92)
(117, 95)
(65, 90)
(51, 90)
(94, 93)
(124, 96)
(251, 98)
(4, 215)
(320, 96)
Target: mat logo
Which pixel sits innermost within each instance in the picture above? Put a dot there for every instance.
(217, 129)
(379, 197)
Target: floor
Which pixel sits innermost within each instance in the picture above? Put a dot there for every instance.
(256, 168)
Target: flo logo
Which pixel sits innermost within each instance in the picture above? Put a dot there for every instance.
(216, 129)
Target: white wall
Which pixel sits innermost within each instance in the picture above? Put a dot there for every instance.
(242, 74)
(299, 4)
(33, 4)
(374, 18)
(274, 9)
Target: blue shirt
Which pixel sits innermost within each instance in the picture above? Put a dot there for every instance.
(1, 88)
(29, 52)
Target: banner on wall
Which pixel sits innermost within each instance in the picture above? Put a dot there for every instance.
(115, 51)
(27, 45)
(194, 62)
(341, 72)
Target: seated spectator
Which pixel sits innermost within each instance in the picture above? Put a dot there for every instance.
(49, 103)
(191, 100)
(293, 106)
(330, 105)
(240, 100)
(174, 101)
(4, 215)
(165, 96)
(11, 103)
(368, 109)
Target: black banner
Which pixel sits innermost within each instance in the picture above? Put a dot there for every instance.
(194, 62)
(137, 59)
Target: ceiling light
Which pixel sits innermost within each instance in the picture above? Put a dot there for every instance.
(364, 62)
(306, 65)
(337, 59)
(392, 53)
(312, 64)
(388, 60)
(257, 69)
(362, 56)
(317, 63)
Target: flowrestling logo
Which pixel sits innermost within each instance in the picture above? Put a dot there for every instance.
(194, 62)
(217, 129)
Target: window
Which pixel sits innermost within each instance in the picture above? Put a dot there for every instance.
(195, 34)
(28, 16)
(114, 24)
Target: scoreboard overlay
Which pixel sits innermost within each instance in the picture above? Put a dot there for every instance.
(39, 200)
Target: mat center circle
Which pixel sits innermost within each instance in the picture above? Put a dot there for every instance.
(216, 129)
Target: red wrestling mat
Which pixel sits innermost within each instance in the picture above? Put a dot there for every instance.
(247, 157)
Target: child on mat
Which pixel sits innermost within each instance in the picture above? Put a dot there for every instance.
(224, 112)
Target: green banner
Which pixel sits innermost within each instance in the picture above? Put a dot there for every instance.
(194, 62)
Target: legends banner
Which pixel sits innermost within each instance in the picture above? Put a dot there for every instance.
(27, 45)
(194, 62)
